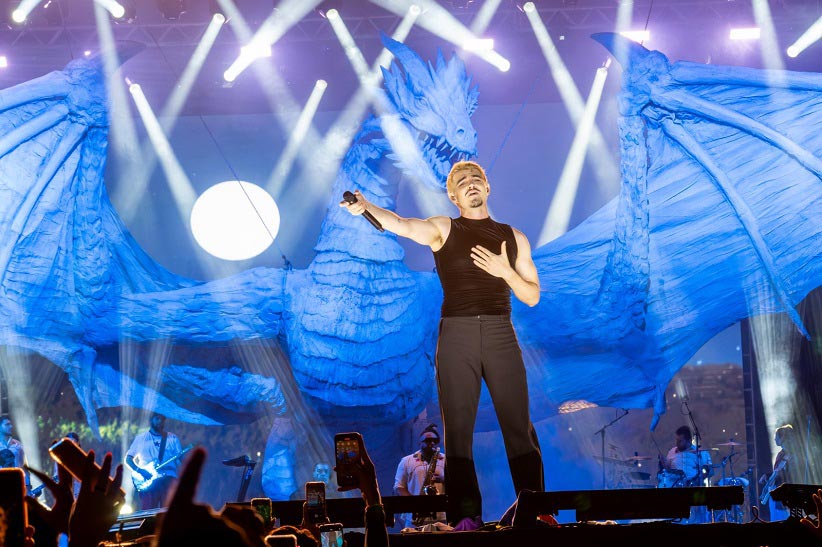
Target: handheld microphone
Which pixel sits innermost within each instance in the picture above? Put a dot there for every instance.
(351, 198)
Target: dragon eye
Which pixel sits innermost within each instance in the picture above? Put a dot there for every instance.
(420, 101)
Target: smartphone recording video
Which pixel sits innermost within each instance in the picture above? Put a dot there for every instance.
(263, 508)
(68, 454)
(347, 450)
(315, 501)
(331, 535)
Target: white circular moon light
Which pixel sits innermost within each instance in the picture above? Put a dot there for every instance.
(235, 220)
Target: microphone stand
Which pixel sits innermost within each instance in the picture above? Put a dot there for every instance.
(601, 432)
(697, 438)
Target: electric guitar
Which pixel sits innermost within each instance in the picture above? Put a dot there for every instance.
(142, 484)
(35, 493)
(768, 488)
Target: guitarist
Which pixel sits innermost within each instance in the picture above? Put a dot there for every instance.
(786, 469)
(151, 448)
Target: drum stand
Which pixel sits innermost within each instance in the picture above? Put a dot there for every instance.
(734, 513)
(601, 432)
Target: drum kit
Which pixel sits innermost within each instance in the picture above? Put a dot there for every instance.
(630, 473)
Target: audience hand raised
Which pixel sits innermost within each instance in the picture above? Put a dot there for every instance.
(98, 503)
(189, 523)
(815, 527)
(50, 523)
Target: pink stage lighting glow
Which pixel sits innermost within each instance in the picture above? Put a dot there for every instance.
(3, 61)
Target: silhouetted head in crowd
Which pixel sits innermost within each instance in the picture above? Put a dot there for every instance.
(304, 537)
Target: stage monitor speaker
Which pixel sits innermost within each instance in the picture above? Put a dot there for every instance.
(350, 512)
(798, 498)
(632, 503)
(135, 525)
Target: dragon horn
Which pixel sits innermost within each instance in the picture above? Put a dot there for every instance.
(416, 68)
(624, 50)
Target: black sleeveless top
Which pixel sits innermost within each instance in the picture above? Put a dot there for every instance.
(467, 289)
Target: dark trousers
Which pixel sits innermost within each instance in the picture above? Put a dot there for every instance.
(469, 350)
(155, 496)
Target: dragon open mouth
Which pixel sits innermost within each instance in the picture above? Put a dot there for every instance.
(440, 155)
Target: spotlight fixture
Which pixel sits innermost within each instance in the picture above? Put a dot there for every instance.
(49, 12)
(129, 12)
(333, 6)
(171, 9)
(526, 7)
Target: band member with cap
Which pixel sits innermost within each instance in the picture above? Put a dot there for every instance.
(414, 469)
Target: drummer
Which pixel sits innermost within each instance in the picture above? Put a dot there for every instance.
(683, 457)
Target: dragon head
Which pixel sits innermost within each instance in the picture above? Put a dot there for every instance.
(436, 103)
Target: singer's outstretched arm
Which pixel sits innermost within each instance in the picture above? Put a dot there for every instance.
(431, 231)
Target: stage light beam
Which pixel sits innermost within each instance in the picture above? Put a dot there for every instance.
(439, 21)
(605, 168)
(480, 23)
(355, 56)
(139, 172)
(768, 43)
(184, 195)
(295, 140)
(813, 34)
(562, 204)
(287, 14)
(338, 138)
(114, 8)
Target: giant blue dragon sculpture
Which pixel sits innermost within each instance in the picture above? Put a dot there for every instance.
(717, 220)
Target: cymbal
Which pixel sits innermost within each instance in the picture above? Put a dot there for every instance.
(638, 458)
(731, 443)
(639, 475)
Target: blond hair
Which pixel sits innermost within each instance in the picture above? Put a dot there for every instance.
(463, 166)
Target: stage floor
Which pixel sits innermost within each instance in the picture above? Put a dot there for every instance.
(788, 533)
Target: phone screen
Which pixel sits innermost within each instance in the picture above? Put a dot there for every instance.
(347, 449)
(315, 501)
(263, 508)
(12, 492)
(315, 494)
(331, 535)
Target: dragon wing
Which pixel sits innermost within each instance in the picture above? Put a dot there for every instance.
(74, 282)
(717, 220)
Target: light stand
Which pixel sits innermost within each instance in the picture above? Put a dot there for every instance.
(248, 465)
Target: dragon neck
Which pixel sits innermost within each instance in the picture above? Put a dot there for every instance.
(361, 170)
